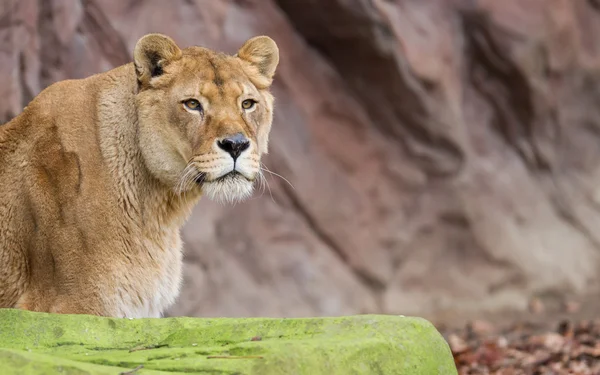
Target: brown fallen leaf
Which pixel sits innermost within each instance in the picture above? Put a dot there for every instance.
(572, 307)
(536, 306)
(457, 345)
(481, 327)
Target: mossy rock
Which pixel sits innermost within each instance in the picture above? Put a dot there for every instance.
(37, 343)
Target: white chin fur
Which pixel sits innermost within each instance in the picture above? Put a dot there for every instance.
(229, 190)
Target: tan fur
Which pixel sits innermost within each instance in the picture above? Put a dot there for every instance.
(98, 175)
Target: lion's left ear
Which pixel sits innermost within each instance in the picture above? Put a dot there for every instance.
(262, 53)
(153, 52)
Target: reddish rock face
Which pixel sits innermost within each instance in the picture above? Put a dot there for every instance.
(442, 155)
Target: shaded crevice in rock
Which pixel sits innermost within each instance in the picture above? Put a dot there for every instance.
(26, 93)
(361, 47)
(51, 51)
(7, 19)
(10, 24)
(98, 26)
(497, 79)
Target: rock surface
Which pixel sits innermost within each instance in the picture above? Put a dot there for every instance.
(34, 343)
(442, 155)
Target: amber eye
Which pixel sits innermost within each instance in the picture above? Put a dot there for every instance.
(248, 104)
(193, 104)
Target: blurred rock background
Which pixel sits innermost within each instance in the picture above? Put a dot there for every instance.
(442, 155)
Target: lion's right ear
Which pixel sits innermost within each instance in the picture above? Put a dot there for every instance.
(153, 52)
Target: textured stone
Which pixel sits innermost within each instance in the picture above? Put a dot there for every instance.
(35, 343)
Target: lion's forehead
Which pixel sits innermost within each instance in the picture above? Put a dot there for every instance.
(216, 77)
(226, 90)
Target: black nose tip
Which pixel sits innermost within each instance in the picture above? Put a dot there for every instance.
(234, 145)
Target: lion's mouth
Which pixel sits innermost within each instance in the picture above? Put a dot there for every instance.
(233, 175)
(227, 177)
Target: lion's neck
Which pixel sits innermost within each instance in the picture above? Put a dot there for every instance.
(144, 200)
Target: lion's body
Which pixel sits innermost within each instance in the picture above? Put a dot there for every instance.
(92, 197)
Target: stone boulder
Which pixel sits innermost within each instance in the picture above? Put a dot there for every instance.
(36, 343)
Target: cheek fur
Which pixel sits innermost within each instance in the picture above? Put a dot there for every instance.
(193, 129)
(262, 126)
(188, 124)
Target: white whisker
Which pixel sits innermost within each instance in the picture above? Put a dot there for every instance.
(264, 181)
(188, 177)
(183, 180)
(264, 168)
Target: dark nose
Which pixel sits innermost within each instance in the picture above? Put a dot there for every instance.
(234, 145)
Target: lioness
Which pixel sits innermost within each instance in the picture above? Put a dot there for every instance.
(98, 175)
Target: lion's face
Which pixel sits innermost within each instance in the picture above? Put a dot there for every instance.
(204, 117)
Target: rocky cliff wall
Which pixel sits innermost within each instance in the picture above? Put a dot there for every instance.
(442, 155)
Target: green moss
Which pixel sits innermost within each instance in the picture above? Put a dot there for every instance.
(36, 343)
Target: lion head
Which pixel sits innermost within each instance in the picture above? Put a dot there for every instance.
(204, 117)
